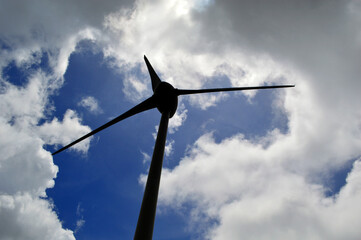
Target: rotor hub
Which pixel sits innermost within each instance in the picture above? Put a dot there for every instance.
(166, 98)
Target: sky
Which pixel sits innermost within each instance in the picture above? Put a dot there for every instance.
(267, 164)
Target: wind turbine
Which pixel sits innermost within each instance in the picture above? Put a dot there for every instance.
(165, 99)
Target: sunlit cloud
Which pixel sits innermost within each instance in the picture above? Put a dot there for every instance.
(91, 104)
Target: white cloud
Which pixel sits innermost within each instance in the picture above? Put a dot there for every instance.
(91, 104)
(135, 88)
(23, 216)
(65, 132)
(80, 222)
(22, 104)
(246, 188)
(178, 119)
(297, 207)
(146, 158)
(185, 56)
(18, 173)
(26, 169)
(169, 147)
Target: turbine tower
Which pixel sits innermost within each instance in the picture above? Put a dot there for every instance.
(165, 99)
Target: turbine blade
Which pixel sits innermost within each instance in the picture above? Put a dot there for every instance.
(196, 91)
(143, 106)
(153, 75)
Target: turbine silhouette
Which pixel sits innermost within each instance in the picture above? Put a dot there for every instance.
(165, 99)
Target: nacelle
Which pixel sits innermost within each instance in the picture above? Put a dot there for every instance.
(166, 98)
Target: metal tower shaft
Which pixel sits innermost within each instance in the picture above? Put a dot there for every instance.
(145, 225)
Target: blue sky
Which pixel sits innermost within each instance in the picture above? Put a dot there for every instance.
(238, 165)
